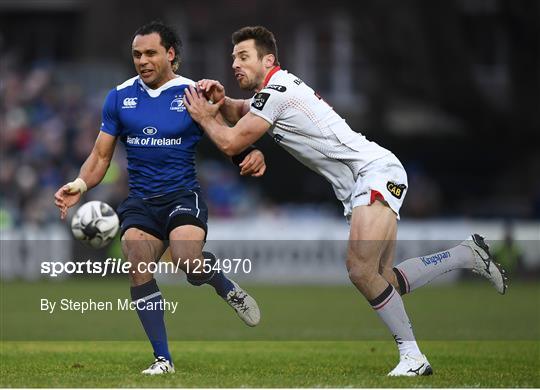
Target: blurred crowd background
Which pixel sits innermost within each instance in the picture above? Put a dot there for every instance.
(452, 88)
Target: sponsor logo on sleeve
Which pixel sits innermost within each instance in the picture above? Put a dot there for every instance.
(259, 100)
(130, 102)
(396, 190)
(278, 138)
(280, 88)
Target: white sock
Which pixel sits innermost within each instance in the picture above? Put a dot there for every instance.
(416, 272)
(389, 306)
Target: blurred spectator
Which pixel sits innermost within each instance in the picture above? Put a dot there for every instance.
(225, 193)
(48, 130)
(444, 112)
(423, 196)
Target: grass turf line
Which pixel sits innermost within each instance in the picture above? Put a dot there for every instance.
(344, 344)
(267, 364)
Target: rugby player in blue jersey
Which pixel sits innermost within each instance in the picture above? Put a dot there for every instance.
(164, 205)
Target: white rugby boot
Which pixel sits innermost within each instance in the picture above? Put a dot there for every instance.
(412, 366)
(484, 265)
(245, 306)
(159, 367)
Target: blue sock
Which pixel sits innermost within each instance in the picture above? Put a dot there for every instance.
(217, 279)
(152, 320)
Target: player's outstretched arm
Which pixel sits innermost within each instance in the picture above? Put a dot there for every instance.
(232, 109)
(92, 172)
(230, 140)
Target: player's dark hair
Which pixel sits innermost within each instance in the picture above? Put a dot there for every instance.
(265, 43)
(169, 38)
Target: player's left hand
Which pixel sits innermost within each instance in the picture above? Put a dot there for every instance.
(198, 107)
(253, 164)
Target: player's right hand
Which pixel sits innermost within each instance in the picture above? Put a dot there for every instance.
(66, 197)
(211, 89)
(253, 164)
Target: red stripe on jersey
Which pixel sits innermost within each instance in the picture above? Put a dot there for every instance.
(270, 74)
(376, 195)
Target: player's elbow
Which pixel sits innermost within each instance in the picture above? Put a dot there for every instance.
(230, 149)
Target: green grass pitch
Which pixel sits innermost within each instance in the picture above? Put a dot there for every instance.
(310, 336)
(267, 364)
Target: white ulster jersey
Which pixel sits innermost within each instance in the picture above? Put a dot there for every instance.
(309, 129)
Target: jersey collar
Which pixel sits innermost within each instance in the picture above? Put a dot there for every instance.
(270, 74)
(178, 80)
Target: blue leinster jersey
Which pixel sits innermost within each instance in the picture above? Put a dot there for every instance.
(159, 135)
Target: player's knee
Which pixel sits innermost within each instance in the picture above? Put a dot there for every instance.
(132, 235)
(361, 274)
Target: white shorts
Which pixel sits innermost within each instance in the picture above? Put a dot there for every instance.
(383, 179)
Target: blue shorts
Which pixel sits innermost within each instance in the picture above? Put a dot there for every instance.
(159, 215)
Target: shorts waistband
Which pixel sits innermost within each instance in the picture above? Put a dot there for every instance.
(158, 196)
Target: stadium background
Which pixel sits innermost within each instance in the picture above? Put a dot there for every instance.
(452, 88)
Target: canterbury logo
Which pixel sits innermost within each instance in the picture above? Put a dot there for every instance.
(130, 103)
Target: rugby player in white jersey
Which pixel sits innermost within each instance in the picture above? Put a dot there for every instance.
(368, 179)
